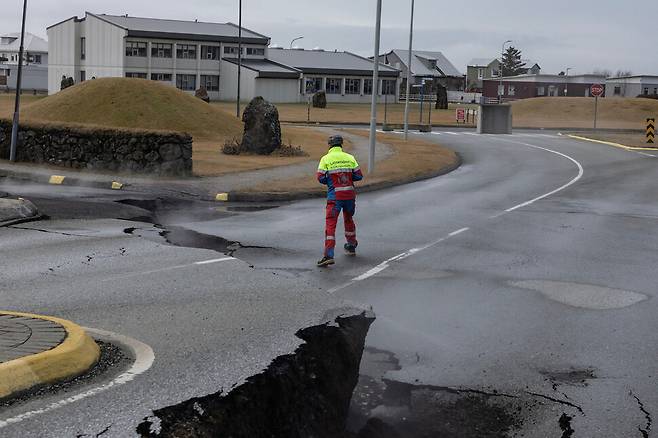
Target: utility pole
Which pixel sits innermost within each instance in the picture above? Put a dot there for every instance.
(375, 91)
(237, 104)
(502, 60)
(17, 102)
(406, 103)
(295, 39)
(566, 82)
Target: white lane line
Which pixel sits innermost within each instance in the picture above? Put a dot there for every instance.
(451, 133)
(384, 265)
(647, 155)
(170, 268)
(144, 357)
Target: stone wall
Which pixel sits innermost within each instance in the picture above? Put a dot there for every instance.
(155, 153)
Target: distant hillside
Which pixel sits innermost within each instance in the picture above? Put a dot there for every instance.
(134, 103)
(578, 112)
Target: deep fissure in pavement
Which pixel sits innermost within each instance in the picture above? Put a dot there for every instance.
(299, 395)
(565, 425)
(647, 428)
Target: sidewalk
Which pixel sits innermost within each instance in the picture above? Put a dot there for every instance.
(37, 350)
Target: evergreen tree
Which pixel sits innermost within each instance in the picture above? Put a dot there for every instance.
(512, 64)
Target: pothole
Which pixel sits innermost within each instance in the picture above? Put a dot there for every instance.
(586, 296)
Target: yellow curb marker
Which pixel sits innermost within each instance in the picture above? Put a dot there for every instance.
(56, 179)
(609, 143)
(75, 355)
(222, 197)
(116, 185)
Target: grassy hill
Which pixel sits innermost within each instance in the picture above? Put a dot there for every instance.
(134, 103)
(578, 112)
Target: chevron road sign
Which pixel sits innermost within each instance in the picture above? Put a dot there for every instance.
(651, 130)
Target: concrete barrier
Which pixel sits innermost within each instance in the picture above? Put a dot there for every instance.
(494, 119)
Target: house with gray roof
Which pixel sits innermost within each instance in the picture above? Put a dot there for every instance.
(425, 65)
(35, 62)
(479, 69)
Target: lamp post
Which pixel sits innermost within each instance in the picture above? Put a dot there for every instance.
(406, 103)
(375, 91)
(566, 82)
(237, 103)
(17, 102)
(502, 60)
(295, 39)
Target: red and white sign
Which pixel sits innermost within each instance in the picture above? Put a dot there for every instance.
(461, 115)
(597, 90)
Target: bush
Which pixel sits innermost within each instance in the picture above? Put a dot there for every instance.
(232, 147)
(288, 150)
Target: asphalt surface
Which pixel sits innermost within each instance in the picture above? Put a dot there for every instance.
(489, 287)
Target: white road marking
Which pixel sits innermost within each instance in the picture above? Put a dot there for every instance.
(170, 268)
(144, 357)
(647, 155)
(384, 265)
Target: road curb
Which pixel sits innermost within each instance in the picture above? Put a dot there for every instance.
(14, 211)
(243, 196)
(74, 356)
(61, 180)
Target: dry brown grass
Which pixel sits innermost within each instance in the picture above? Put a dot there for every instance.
(357, 113)
(7, 103)
(578, 112)
(413, 158)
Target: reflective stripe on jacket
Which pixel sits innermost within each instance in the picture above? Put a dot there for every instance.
(338, 170)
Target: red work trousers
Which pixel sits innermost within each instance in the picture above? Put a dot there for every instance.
(334, 208)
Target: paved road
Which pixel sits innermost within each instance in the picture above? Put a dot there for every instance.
(490, 286)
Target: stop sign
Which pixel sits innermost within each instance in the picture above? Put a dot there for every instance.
(597, 90)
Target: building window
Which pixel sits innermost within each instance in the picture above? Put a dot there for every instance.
(210, 52)
(210, 82)
(83, 75)
(388, 87)
(135, 75)
(255, 51)
(160, 50)
(83, 48)
(37, 59)
(655, 91)
(164, 77)
(136, 48)
(334, 86)
(511, 90)
(646, 91)
(186, 51)
(352, 86)
(617, 91)
(313, 85)
(230, 50)
(480, 73)
(367, 87)
(186, 82)
(541, 91)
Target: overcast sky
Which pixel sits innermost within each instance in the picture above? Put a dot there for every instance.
(584, 34)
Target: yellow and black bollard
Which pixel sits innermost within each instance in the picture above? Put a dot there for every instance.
(651, 131)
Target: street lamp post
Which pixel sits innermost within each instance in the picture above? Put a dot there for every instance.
(406, 103)
(500, 73)
(295, 39)
(237, 103)
(375, 91)
(17, 102)
(566, 82)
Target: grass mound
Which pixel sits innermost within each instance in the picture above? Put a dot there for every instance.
(134, 103)
(549, 112)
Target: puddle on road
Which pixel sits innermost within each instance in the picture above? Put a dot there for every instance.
(586, 296)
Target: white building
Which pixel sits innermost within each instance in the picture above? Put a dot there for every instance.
(188, 54)
(632, 86)
(35, 62)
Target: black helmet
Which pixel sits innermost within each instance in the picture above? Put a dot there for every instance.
(335, 140)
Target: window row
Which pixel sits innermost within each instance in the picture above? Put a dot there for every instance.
(352, 86)
(185, 82)
(183, 51)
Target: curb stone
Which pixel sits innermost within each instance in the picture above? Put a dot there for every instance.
(61, 180)
(13, 211)
(76, 354)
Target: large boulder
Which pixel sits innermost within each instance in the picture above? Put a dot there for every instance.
(262, 130)
(441, 97)
(320, 100)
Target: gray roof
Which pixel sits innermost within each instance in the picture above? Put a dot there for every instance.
(420, 63)
(326, 62)
(267, 68)
(481, 62)
(178, 29)
(32, 43)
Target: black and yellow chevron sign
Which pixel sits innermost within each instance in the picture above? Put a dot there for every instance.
(651, 130)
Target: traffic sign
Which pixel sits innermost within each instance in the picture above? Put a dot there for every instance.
(461, 115)
(597, 90)
(651, 130)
